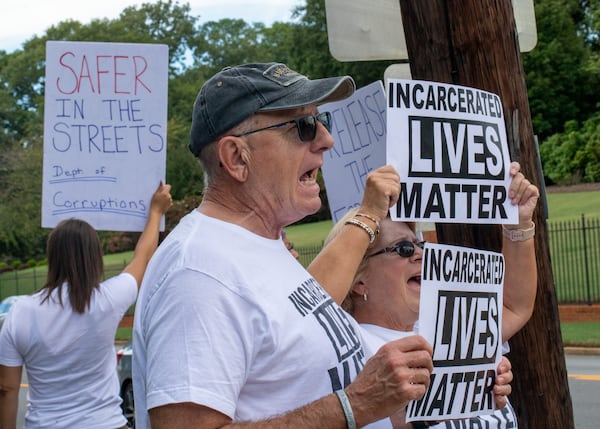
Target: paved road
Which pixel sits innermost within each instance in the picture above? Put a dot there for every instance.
(584, 384)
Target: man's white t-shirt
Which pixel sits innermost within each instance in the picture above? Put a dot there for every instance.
(230, 320)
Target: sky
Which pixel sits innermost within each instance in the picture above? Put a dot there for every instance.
(20, 20)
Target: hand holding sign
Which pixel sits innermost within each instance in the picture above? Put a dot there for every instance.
(381, 192)
(503, 388)
(523, 194)
(397, 373)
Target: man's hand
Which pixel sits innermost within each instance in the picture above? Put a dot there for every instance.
(399, 372)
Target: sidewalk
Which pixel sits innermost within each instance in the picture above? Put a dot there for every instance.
(589, 351)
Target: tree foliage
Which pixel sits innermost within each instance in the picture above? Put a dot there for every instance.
(227, 42)
(562, 73)
(559, 70)
(21, 111)
(573, 156)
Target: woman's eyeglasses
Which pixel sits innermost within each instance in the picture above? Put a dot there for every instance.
(306, 126)
(404, 248)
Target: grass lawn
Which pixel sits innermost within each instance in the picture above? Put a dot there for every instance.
(309, 234)
(123, 334)
(581, 333)
(573, 334)
(563, 206)
(118, 259)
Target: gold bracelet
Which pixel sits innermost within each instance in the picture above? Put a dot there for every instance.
(372, 219)
(519, 234)
(364, 226)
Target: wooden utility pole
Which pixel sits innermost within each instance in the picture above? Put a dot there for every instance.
(474, 43)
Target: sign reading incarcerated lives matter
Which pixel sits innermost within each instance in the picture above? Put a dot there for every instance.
(449, 145)
(359, 131)
(105, 134)
(460, 314)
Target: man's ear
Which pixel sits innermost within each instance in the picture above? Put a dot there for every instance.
(234, 156)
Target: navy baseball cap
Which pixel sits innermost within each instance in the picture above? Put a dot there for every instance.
(235, 93)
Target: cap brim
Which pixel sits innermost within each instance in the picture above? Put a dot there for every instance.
(318, 91)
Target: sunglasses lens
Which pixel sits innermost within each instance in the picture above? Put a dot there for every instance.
(325, 119)
(307, 128)
(405, 249)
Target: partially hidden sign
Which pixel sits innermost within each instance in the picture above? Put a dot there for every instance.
(460, 314)
(448, 143)
(359, 130)
(105, 132)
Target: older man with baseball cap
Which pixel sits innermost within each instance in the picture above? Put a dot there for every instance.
(230, 330)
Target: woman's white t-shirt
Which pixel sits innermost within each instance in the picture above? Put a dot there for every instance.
(69, 357)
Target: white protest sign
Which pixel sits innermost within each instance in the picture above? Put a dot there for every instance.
(448, 143)
(105, 133)
(460, 314)
(359, 131)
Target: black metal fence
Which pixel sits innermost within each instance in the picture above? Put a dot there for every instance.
(575, 257)
(574, 252)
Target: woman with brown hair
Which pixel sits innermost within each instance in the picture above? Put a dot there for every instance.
(64, 333)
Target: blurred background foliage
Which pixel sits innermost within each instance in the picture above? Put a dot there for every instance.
(562, 72)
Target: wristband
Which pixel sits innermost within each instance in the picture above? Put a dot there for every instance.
(347, 408)
(364, 226)
(519, 234)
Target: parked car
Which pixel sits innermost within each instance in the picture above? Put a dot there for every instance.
(6, 304)
(125, 383)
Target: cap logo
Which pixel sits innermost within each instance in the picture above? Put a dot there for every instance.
(282, 74)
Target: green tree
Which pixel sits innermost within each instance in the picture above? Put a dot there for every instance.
(21, 236)
(573, 156)
(227, 42)
(589, 23)
(309, 49)
(165, 21)
(21, 110)
(558, 72)
(562, 74)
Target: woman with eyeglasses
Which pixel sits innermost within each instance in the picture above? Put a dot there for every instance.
(387, 286)
(385, 293)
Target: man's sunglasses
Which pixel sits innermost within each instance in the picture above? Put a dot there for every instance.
(404, 248)
(306, 126)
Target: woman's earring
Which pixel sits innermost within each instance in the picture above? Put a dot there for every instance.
(365, 296)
